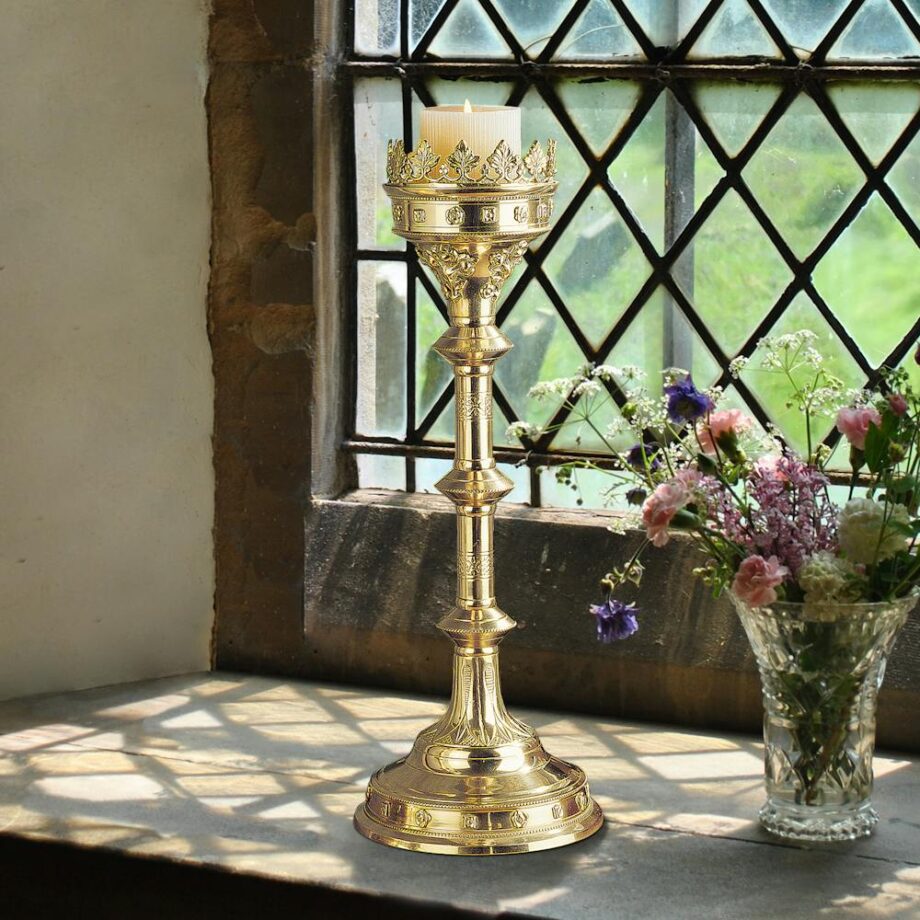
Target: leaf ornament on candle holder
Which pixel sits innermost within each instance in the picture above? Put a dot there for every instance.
(505, 165)
(464, 161)
(463, 167)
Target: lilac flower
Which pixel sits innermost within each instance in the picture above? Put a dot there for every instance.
(615, 620)
(685, 402)
(790, 515)
(636, 459)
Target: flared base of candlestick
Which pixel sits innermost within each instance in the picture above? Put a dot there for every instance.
(469, 800)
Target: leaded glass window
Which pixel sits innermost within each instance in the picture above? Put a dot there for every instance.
(727, 168)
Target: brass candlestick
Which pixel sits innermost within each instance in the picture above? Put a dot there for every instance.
(477, 782)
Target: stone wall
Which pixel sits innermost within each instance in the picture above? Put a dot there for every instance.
(261, 319)
(106, 483)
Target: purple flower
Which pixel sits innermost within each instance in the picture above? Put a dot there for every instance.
(685, 402)
(615, 620)
(791, 515)
(636, 459)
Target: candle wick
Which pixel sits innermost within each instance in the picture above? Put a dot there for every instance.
(467, 108)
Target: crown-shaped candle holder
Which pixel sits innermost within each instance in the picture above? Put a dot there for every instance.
(478, 781)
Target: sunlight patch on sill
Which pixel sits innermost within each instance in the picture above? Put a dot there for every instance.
(665, 742)
(112, 787)
(197, 718)
(546, 896)
(146, 708)
(696, 766)
(41, 736)
(289, 811)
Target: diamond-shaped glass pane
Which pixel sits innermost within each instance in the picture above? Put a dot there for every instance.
(665, 144)
(803, 176)
(599, 33)
(539, 123)
(871, 280)
(421, 16)
(479, 92)
(428, 470)
(376, 471)
(520, 476)
(469, 33)
(381, 408)
(695, 172)
(533, 22)
(661, 337)
(804, 22)
(876, 113)
(443, 430)
(731, 272)
(588, 426)
(666, 135)
(543, 349)
(588, 491)
(500, 428)
(432, 372)
(904, 178)
(378, 116)
(877, 31)
(638, 172)
(666, 23)
(733, 112)
(772, 388)
(599, 109)
(597, 266)
(734, 32)
(377, 27)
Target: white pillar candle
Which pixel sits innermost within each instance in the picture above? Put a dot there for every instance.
(481, 126)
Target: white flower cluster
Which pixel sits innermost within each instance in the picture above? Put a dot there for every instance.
(797, 346)
(587, 386)
(523, 430)
(624, 523)
(827, 399)
(864, 533)
(588, 381)
(737, 365)
(547, 389)
(826, 577)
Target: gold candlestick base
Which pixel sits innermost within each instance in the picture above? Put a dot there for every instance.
(511, 799)
(478, 782)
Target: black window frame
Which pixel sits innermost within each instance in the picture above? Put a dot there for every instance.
(665, 70)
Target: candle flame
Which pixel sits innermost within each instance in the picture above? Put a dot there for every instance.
(467, 108)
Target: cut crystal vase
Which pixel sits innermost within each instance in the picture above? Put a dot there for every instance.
(821, 666)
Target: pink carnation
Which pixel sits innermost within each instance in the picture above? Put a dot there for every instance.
(897, 403)
(770, 468)
(757, 578)
(853, 424)
(660, 507)
(727, 423)
(689, 477)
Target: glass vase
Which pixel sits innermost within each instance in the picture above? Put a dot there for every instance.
(821, 666)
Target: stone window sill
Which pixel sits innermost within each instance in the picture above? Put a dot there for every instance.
(259, 777)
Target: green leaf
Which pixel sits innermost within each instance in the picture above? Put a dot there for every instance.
(902, 485)
(685, 520)
(876, 449)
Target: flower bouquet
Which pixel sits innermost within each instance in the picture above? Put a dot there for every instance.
(822, 576)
